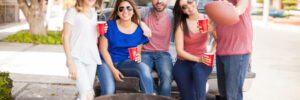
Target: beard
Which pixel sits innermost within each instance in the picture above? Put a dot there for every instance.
(159, 9)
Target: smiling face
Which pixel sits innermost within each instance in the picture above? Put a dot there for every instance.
(160, 5)
(125, 10)
(89, 2)
(188, 6)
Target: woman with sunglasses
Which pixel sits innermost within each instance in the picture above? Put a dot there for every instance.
(124, 32)
(190, 70)
(79, 42)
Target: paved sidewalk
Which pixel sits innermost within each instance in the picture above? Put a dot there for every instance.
(11, 28)
(281, 27)
(42, 87)
(38, 71)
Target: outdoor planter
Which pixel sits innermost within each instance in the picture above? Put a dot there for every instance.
(5, 86)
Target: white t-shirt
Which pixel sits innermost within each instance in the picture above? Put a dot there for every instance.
(83, 39)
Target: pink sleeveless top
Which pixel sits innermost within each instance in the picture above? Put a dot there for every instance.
(195, 44)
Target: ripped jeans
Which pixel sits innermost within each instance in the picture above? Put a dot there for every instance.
(85, 79)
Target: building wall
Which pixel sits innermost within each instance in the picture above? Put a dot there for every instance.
(277, 4)
(9, 11)
(298, 6)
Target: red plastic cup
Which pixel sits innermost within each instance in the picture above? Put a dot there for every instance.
(100, 27)
(132, 53)
(203, 23)
(211, 57)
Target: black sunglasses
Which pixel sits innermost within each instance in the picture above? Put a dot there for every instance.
(129, 8)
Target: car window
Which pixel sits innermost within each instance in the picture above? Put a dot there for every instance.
(108, 3)
(202, 3)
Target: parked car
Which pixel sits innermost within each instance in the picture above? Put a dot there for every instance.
(212, 86)
(273, 12)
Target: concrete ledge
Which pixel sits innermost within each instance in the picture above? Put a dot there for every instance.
(41, 79)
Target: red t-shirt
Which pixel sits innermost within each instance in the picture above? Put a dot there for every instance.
(162, 29)
(236, 39)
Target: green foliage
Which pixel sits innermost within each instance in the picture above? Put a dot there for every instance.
(288, 15)
(289, 2)
(290, 8)
(259, 1)
(5, 86)
(53, 37)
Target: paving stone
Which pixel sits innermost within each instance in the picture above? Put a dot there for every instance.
(18, 88)
(47, 92)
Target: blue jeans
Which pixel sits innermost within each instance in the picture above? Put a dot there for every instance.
(106, 79)
(191, 79)
(231, 71)
(163, 64)
(127, 68)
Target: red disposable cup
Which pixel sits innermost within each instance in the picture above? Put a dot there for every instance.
(203, 23)
(132, 53)
(211, 57)
(100, 27)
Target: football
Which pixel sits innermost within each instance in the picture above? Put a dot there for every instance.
(222, 12)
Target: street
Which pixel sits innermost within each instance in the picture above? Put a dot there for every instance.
(276, 61)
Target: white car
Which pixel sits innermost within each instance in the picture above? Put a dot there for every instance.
(131, 84)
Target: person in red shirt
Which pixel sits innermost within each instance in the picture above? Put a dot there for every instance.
(233, 52)
(190, 70)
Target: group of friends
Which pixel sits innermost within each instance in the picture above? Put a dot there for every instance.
(150, 29)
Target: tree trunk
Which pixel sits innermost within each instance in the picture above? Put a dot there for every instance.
(33, 12)
(36, 23)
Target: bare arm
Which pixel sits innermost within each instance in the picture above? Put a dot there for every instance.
(211, 25)
(213, 50)
(179, 44)
(146, 30)
(241, 6)
(107, 58)
(66, 44)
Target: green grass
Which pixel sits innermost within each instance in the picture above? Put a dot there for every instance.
(53, 37)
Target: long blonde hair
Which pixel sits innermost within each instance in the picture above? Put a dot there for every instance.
(79, 5)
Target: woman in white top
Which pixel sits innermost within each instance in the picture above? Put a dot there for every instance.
(79, 41)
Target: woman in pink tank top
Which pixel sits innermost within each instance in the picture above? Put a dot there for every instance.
(190, 70)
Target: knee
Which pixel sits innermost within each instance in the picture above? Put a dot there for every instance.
(144, 70)
(166, 76)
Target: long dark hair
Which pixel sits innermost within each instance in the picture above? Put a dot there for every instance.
(136, 16)
(180, 18)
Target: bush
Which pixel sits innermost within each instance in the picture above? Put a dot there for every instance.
(259, 1)
(290, 8)
(288, 15)
(5, 86)
(289, 2)
(260, 12)
(53, 37)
